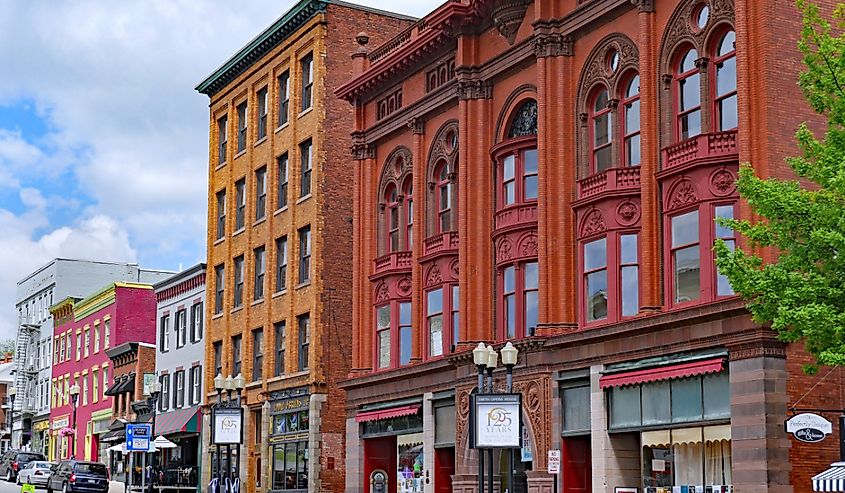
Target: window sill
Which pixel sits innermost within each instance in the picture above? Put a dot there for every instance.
(282, 127)
(218, 241)
(288, 376)
(253, 385)
(237, 309)
(259, 221)
(257, 302)
(220, 166)
(280, 210)
(260, 141)
(217, 316)
(303, 284)
(306, 111)
(303, 199)
(279, 294)
(236, 233)
(240, 153)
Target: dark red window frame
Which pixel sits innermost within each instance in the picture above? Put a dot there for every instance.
(448, 311)
(516, 148)
(395, 331)
(628, 101)
(443, 186)
(717, 62)
(681, 76)
(613, 267)
(393, 220)
(408, 209)
(518, 294)
(595, 114)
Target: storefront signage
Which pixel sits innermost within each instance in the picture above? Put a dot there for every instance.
(498, 420)
(149, 380)
(138, 437)
(296, 437)
(290, 404)
(808, 427)
(60, 423)
(228, 426)
(553, 464)
(526, 450)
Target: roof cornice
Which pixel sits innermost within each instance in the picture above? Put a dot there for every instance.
(262, 44)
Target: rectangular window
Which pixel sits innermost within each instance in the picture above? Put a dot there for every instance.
(84, 390)
(303, 324)
(196, 322)
(686, 257)
(218, 357)
(239, 281)
(723, 286)
(257, 354)
(305, 163)
(509, 301)
(180, 389)
(279, 332)
(196, 384)
(56, 346)
(284, 96)
(595, 279)
(509, 180)
(263, 99)
(281, 263)
(96, 338)
(105, 380)
(164, 400)
(181, 327)
(576, 409)
(456, 316)
(434, 322)
(164, 333)
(282, 192)
(68, 344)
(78, 347)
(87, 342)
(260, 192)
(236, 354)
(219, 285)
(258, 275)
(531, 283)
(95, 385)
(307, 77)
(405, 333)
(629, 275)
(240, 198)
(383, 335)
(305, 254)
(221, 214)
(242, 126)
(106, 333)
(222, 138)
(530, 174)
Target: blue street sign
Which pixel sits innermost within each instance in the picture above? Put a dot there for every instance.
(138, 437)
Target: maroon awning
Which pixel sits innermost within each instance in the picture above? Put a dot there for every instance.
(681, 370)
(386, 413)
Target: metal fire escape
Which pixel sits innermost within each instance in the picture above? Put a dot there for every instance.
(26, 369)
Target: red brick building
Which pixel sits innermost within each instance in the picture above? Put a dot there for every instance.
(548, 173)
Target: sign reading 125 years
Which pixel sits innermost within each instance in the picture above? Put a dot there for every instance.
(808, 427)
(498, 420)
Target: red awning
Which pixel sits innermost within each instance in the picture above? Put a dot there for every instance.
(386, 413)
(681, 370)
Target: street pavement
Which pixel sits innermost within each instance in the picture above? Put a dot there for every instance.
(114, 487)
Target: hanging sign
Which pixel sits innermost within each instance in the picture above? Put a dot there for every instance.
(227, 426)
(808, 427)
(498, 420)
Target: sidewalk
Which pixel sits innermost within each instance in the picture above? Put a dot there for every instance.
(116, 487)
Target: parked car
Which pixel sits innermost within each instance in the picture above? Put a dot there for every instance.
(13, 461)
(79, 476)
(37, 472)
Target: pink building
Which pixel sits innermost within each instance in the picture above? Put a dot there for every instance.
(83, 331)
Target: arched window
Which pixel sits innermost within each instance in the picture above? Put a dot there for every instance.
(601, 128)
(394, 214)
(395, 219)
(409, 214)
(688, 96)
(631, 122)
(724, 74)
(443, 198)
(518, 177)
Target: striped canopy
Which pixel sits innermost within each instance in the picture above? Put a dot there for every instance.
(832, 479)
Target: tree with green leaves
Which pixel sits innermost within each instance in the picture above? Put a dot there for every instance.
(802, 293)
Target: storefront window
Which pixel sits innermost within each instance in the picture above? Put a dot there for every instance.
(680, 458)
(576, 409)
(290, 466)
(289, 440)
(410, 465)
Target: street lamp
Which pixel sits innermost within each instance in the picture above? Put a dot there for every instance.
(509, 357)
(11, 393)
(218, 386)
(74, 400)
(479, 357)
(155, 393)
(239, 383)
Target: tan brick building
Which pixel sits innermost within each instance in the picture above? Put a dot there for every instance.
(280, 240)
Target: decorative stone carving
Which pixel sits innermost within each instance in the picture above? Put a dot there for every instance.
(508, 16)
(362, 151)
(455, 268)
(474, 89)
(722, 182)
(404, 285)
(433, 278)
(397, 168)
(528, 245)
(627, 213)
(683, 194)
(382, 293)
(525, 120)
(644, 5)
(593, 223)
(552, 44)
(417, 125)
(503, 251)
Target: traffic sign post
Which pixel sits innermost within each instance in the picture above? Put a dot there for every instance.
(138, 437)
(553, 465)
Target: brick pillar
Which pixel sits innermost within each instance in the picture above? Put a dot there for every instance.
(428, 442)
(315, 449)
(540, 482)
(354, 457)
(759, 445)
(419, 178)
(615, 458)
(266, 458)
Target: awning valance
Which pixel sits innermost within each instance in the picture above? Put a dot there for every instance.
(386, 413)
(832, 479)
(178, 421)
(113, 436)
(681, 370)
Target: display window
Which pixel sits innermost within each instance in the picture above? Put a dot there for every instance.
(690, 460)
(410, 465)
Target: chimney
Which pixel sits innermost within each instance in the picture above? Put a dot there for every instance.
(361, 62)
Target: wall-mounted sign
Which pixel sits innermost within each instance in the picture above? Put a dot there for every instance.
(149, 380)
(527, 454)
(498, 420)
(808, 427)
(553, 464)
(227, 426)
(62, 422)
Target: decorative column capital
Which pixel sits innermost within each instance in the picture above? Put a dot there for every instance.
(417, 125)
(362, 150)
(644, 5)
(552, 45)
(474, 89)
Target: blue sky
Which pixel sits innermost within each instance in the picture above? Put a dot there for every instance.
(103, 141)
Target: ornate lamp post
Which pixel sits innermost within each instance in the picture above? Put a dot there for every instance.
(155, 393)
(74, 400)
(479, 357)
(239, 384)
(509, 357)
(218, 386)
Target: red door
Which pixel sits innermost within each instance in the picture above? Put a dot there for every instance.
(444, 468)
(575, 465)
(380, 453)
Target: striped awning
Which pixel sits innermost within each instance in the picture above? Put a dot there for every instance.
(832, 479)
(668, 372)
(386, 413)
(179, 421)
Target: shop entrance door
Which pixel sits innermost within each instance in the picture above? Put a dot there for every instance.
(380, 454)
(444, 464)
(576, 465)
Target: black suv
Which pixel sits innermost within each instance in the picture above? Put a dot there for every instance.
(13, 461)
(77, 475)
